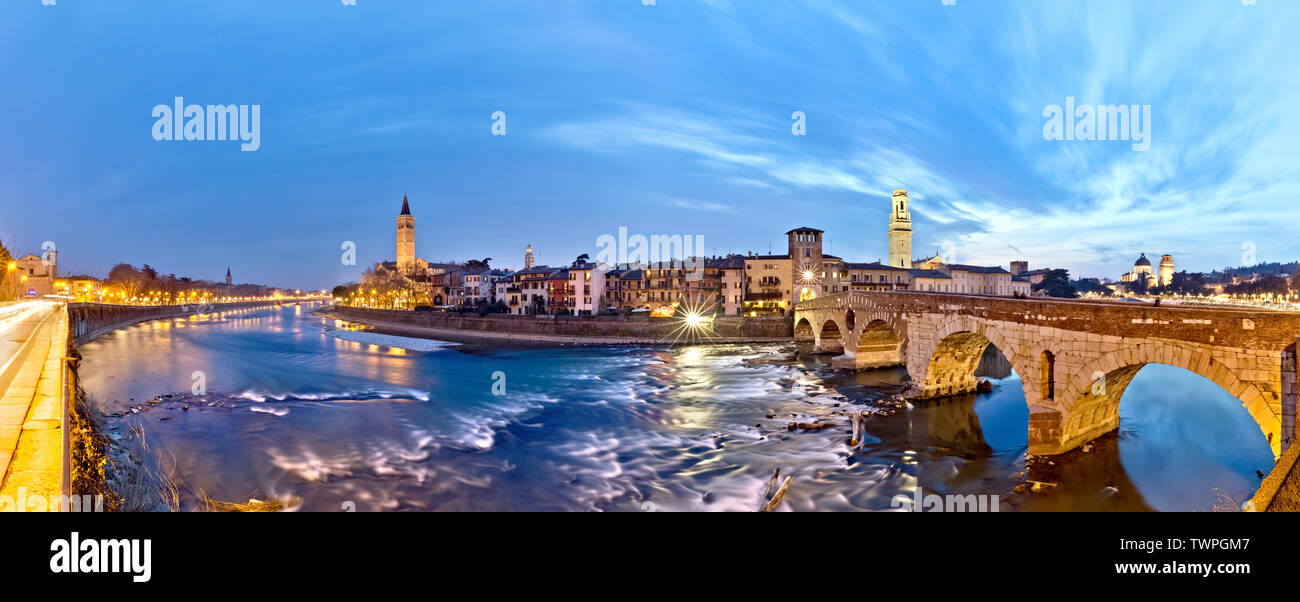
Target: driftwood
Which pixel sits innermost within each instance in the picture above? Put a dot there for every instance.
(776, 499)
(807, 426)
(1037, 486)
(770, 501)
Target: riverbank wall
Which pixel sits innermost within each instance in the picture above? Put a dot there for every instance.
(89, 320)
(571, 329)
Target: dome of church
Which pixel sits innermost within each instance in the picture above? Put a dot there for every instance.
(1142, 261)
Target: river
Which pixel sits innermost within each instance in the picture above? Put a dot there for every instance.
(294, 408)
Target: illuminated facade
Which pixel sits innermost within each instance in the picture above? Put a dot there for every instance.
(900, 231)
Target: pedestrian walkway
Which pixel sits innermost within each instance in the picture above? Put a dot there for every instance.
(32, 406)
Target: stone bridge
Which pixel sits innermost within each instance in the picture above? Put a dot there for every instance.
(1074, 358)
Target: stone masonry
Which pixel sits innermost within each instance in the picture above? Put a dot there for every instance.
(1075, 358)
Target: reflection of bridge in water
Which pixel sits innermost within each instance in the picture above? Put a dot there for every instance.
(993, 364)
(1074, 358)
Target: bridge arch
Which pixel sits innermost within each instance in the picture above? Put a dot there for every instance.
(879, 345)
(1091, 401)
(803, 331)
(953, 355)
(830, 337)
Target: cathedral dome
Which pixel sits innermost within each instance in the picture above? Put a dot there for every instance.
(1142, 261)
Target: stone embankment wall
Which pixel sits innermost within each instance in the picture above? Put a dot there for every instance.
(724, 327)
(89, 320)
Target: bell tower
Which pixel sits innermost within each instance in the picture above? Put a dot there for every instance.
(405, 238)
(900, 231)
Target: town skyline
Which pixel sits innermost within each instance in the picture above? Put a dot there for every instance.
(616, 125)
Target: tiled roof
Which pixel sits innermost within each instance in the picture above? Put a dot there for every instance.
(976, 269)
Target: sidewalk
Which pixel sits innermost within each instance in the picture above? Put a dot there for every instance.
(32, 409)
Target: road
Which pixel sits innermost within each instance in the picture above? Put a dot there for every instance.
(25, 349)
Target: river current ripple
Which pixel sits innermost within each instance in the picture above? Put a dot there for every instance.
(295, 408)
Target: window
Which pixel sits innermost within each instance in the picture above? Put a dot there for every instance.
(1048, 376)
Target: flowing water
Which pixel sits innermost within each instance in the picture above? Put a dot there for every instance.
(278, 402)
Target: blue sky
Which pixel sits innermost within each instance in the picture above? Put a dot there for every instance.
(667, 119)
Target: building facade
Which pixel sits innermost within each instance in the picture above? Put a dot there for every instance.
(32, 276)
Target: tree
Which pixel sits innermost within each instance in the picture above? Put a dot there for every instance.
(343, 291)
(584, 258)
(1056, 283)
(1184, 283)
(1091, 285)
(1270, 284)
(126, 278)
(5, 273)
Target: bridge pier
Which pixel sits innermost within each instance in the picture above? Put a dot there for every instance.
(1051, 432)
(858, 360)
(875, 349)
(828, 345)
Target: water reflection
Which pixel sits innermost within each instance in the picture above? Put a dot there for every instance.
(296, 409)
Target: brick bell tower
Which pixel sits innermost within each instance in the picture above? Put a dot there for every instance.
(405, 238)
(805, 263)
